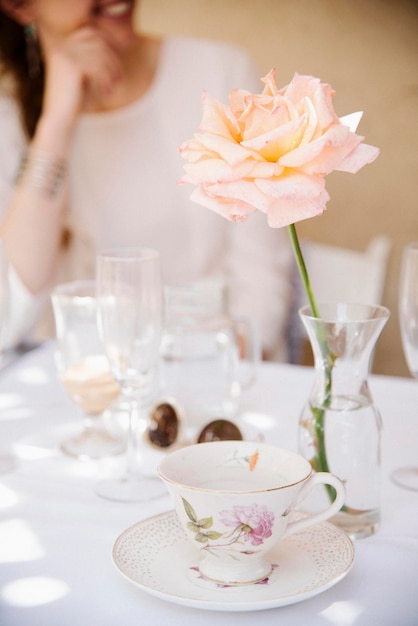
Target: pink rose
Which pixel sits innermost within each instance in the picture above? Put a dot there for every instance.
(271, 151)
(255, 522)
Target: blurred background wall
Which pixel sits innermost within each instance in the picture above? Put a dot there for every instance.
(368, 51)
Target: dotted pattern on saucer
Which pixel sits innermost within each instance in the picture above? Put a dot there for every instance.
(136, 550)
(329, 550)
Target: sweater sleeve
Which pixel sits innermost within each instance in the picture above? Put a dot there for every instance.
(24, 308)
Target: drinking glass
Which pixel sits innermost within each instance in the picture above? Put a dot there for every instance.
(130, 303)
(201, 364)
(84, 369)
(408, 318)
(7, 459)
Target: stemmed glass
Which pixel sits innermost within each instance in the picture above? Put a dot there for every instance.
(7, 460)
(408, 318)
(84, 369)
(130, 303)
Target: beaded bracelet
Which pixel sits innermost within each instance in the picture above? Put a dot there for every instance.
(43, 171)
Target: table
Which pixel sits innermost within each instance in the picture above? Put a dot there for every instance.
(56, 535)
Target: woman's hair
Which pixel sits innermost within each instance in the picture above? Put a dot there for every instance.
(14, 62)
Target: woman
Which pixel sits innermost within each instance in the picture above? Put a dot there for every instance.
(98, 113)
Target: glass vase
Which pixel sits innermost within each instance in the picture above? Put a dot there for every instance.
(340, 427)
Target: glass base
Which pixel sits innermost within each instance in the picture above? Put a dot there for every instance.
(131, 489)
(406, 477)
(357, 525)
(93, 444)
(8, 463)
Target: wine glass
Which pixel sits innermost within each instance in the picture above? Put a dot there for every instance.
(130, 303)
(84, 369)
(408, 319)
(7, 459)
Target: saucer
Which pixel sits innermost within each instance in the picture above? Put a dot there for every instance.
(156, 556)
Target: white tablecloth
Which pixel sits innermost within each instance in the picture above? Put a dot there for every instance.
(56, 535)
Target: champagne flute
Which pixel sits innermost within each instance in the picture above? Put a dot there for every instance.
(408, 318)
(84, 369)
(7, 459)
(130, 303)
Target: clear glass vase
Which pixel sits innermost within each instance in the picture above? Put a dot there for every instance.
(340, 427)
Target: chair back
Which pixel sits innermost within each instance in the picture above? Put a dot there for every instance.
(346, 275)
(338, 275)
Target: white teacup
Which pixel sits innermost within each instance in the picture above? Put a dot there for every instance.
(233, 499)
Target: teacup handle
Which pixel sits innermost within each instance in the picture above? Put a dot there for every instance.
(318, 478)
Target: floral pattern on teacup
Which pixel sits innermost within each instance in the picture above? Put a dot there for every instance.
(251, 460)
(251, 524)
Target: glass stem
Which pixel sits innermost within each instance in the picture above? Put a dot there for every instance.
(136, 425)
(131, 447)
(89, 423)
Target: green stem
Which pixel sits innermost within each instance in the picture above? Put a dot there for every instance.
(302, 269)
(320, 459)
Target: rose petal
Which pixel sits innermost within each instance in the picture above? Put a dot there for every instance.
(324, 154)
(238, 101)
(321, 94)
(232, 152)
(279, 141)
(359, 157)
(194, 150)
(216, 120)
(228, 208)
(322, 102)
(216, 170)
(295, 197)
(242, 191)
(260, 117)
(311, 131)
(269, 80)
(301, 86)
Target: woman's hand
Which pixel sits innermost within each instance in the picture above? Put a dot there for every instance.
(81, 72)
